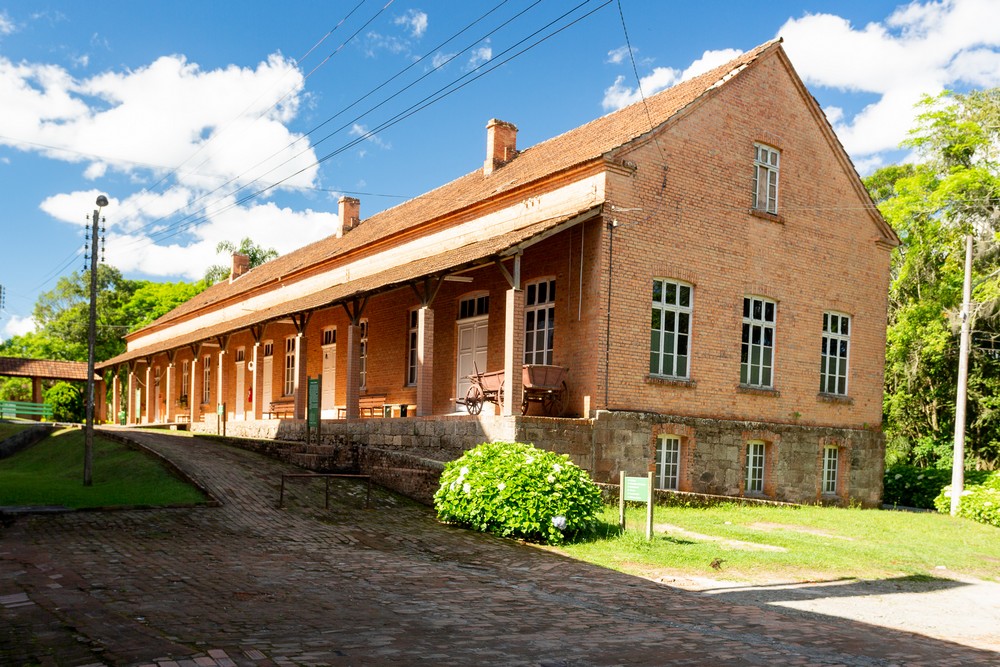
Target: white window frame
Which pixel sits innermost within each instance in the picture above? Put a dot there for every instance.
(668, 461)
(241, 355)
(206, 378)
(835, 362)
(539, 320)
(473, 305)
(831, 465)
(760, 316)
(268, 348)
(288, 386)
(412, 332)
(670, 329)
(755, 464)
(185, 378)
(766, 163)
(363, 344)
(329, 337)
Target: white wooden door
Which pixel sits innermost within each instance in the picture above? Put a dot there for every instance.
(329, 388)
(472, 340)
(265, 393)
(241, 395)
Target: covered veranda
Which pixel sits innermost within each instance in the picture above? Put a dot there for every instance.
(38, 370)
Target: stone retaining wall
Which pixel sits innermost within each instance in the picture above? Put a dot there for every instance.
(713, 451)
(22, 439)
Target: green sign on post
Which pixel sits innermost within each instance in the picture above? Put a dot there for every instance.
(639, 489)
(313, 403)
(312, 407)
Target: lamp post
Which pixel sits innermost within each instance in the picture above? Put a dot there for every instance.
(88, 432)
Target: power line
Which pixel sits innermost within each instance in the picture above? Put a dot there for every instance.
(197, 217)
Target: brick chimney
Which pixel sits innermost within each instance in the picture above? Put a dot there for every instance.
(349, 210)
(241, 264)
(501, 145)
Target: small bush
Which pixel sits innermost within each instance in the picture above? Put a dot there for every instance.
(516, 490)
(910, 486)
(980, 502)
(67, 402)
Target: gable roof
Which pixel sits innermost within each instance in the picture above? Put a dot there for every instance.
(45, 369)
(475, 192)
(578, 146)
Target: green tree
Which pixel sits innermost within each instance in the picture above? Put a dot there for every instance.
(257, 255)
(954, 190)
(66, 400)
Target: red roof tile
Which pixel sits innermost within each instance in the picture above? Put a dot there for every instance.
(44, 368)
(580, 145)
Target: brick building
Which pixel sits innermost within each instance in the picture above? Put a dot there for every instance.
(706, 263)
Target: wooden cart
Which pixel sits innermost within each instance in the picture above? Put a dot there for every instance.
(486, 388)
(546, 385)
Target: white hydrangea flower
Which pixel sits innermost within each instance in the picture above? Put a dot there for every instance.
(559, 522)
(467, 488)
(464, 471)
(551, 479)
(530, 459)
(556, 467)
(501, 486)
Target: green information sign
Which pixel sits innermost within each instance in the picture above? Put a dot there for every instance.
(637, 488)
(313, 403)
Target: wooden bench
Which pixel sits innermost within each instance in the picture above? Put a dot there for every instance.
(283, 408)
(369, 405)
(12, 409)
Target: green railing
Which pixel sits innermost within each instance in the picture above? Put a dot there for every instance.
(12, 409)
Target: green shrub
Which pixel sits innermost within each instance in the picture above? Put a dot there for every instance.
(911, 486)
(980, 502)
(516, 490)
(67, 402)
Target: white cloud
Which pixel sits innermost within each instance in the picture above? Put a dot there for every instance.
(619, 95)
(480, 55)
(358, 130)
(415, 20)
(267, 224)
(7, 26)
(618, 56)
(18, 326)
(440, 59)
(921, 49)
(161, 114)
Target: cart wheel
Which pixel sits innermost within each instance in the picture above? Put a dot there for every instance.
(474, 400)
(524, 404)
(555, 402)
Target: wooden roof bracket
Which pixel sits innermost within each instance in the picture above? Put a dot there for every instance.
(513, 279)
(355, 309)
(431, 286)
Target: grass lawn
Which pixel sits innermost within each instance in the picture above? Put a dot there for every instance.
(793, 544)
(7, 430)
(51, 473)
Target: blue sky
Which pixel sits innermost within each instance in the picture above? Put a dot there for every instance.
(211, 121)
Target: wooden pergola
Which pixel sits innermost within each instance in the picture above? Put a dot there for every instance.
(47, 369)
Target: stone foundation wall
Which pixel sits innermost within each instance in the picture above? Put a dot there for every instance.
(713, 452)
(22, 439)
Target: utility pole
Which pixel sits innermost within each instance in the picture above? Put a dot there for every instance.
(958, 462)
(88, 432)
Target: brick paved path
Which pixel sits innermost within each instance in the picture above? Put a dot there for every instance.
(249, 584)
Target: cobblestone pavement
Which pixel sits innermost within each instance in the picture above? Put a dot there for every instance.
(250, 584)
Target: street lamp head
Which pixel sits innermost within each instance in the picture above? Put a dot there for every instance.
(102, 201)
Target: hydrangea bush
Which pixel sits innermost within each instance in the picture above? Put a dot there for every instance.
(516, 490)
(980, 502)
(910, 486)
